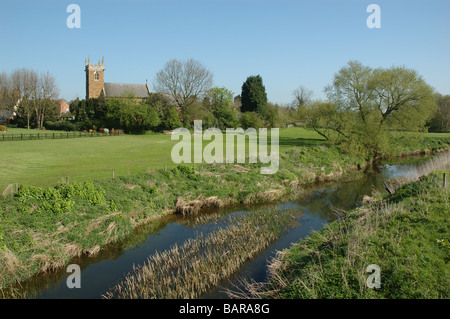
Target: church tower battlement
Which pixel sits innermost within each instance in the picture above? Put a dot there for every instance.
(94, 78)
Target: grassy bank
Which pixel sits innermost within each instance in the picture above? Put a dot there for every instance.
(406, 235)
(43, 228)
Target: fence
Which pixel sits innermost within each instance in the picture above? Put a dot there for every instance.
(54, 135)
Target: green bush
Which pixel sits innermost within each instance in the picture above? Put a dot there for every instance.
(251, 119)
(55, 207)
(183, 169)
(61, 126)
(171, 119)
(26, 193)
(86, 191)
(3, 128)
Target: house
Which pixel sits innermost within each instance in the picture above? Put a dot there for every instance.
(95, 85)
(63, 107)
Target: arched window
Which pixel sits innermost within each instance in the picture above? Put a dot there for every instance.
(96, 76)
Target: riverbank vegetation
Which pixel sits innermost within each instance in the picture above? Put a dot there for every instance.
(405, 234)
(42, 228)
(47, 162)
(190, 269)
(72, 199)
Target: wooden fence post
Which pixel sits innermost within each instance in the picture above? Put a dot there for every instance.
(7, 189)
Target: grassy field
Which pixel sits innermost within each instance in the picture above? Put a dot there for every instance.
(47, 162)
(43, 228)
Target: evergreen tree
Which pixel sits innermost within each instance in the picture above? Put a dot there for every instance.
(253, 97)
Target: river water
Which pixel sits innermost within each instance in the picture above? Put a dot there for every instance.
(315, 208)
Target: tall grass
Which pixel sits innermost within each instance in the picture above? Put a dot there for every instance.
(410, 173)
(189, 270)
(437, 162)
(406, 236)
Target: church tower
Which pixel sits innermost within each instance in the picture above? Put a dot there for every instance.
(94, 78)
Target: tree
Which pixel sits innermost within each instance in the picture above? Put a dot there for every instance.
(171, 119)
(184, 81)
(36, 93)
(133, 117)
(199, 111)
(302, 96)
(441, 120)
(402, 99)
(253, 96)
(271, 114)
(220, 101)
(251, 119)
(7, 96)
(48, 92)
(366, 104)
(25, 82)
(325, 119)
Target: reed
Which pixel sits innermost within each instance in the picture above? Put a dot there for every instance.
(409, 174)
(192, 268)
(404, 235)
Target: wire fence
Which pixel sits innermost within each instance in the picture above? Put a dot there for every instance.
(54, 135)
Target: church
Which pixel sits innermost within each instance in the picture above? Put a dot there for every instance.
(96, 87)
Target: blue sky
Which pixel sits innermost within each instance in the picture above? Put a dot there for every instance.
(288, 43)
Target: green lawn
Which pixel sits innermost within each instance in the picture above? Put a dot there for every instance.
(47, 162)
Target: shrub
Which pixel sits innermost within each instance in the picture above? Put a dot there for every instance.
(183, 169)
(55, 207)
(3, 128)
(86, 191)
(251, 119)
(171, 119)
(60, 126)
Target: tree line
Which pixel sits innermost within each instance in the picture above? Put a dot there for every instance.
(32, 95)
(363, 106)
(183, 92)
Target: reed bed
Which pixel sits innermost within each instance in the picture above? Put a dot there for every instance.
(192, 268)
(412, 173)
(406, 237)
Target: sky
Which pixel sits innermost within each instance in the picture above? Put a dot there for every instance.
(290, 43)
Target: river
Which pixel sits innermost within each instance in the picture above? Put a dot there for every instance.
(315, 208)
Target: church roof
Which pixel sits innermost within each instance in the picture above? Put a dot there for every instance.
(121, 89)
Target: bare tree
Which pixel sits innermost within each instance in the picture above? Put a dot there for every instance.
(5, 85)
(183, 81)
(302, 96)
(49, 92)
(35, 91)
